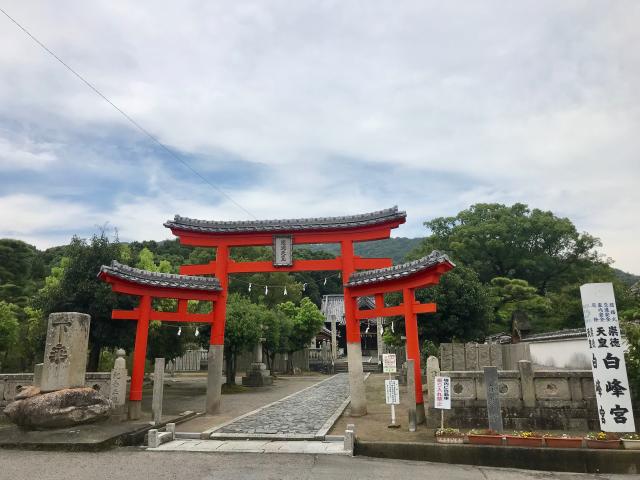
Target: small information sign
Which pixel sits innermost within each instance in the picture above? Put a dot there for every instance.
(389, 362)
(442, 393)
(392, 391)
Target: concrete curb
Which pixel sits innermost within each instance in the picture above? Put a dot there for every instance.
(132, 437)
(580, 460)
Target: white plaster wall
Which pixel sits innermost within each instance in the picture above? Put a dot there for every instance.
(570, 353)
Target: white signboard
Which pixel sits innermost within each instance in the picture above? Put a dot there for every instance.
(442, 392)
(282, 251)
(392, 391)
(389, 362)
(607, 358)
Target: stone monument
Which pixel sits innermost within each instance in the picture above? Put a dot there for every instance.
(258, 375)
(59, 398)
(494, 412)
(118, 393)
(65, 353)
(433, 370)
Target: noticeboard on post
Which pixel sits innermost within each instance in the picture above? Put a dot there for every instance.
(389, 363)
(607, 358)
(442, 391)
(392, 392)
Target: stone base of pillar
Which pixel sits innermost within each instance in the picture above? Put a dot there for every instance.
(356, 380)
(214, 379)
(257, 376)
(420, 414)
(135, 409)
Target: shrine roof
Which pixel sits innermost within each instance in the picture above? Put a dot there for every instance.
(288, 225)
(157, 279)
(369, 277)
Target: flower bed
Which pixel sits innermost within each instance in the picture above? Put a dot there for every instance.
(449, 435)
(631, 441)
(563, 441)
(484, 437)
(602, 440)
(524, 439)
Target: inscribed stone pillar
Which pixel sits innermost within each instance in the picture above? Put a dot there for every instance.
(65, 353)
(158, 390)
(494, 412)
(433, 370)
(118, 391)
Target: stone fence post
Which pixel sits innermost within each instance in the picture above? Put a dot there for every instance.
(526, 383)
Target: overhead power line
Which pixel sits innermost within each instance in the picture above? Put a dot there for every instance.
(125, 114)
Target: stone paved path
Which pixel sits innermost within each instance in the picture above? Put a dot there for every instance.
(301, 415)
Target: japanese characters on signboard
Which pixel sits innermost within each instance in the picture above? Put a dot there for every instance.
(442, 390)
(389, 363)
(282, 251)
(392, 392)
(607, 358)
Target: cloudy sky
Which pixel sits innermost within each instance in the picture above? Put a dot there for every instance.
(307, 108)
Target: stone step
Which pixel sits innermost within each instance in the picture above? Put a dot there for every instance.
(253, 446)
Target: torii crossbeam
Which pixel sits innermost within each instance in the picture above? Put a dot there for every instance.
(149, 285)
(405, 278)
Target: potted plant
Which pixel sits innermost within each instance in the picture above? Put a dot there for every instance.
(484, 436)
(602, 440)
(562, 441)
(449, 435)
(631, 441)
(524, 439)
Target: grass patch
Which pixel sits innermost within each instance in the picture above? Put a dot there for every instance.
(227, 389)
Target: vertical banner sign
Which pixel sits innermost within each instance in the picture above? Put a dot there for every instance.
(392, 392)
(389, 363)
(442, 392)
(607, 358)
(282, 251)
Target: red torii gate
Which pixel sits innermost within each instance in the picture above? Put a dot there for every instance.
(283, 234)
(405, 278)
(149, 285)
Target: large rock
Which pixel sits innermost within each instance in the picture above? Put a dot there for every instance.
(62, 408)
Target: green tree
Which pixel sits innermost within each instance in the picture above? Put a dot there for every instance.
(243, 328)
(9, 328)
(21, 271)
(515, 242)
(515, 295)
(76, 288)
(302, 323)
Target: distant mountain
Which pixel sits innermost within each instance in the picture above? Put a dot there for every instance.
(626, 277)
(395, 248)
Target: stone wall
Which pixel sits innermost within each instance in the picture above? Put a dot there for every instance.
(474, 356)
(11, 383)
(545, 400)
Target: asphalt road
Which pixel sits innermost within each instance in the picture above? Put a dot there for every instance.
(137, 464)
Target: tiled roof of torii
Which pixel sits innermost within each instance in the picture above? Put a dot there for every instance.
(368, 277)
(156, 279)
(288, 225)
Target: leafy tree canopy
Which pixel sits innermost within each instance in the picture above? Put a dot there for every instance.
(515, 242)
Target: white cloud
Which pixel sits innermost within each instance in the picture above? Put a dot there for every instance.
(531, 101)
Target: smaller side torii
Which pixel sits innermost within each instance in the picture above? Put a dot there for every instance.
(149, 285)
(405, 278)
